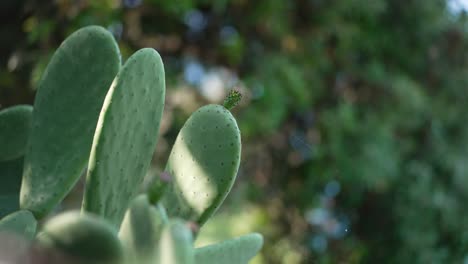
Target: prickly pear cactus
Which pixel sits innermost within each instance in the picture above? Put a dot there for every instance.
(21, 222)
(10, 175)
(80, 118)
(176, 245)
(66, 109)
(83, 237)
(15, 126)
(141, 230)
(203, 164)
(234, 251)
(126, 136)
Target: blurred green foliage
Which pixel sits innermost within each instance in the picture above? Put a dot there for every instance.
(354, 128)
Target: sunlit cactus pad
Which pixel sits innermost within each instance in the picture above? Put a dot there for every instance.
(203, 164)
(66, 109)
(126, 136)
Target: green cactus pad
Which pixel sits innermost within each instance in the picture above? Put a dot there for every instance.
(126, 136)
(176, 244)
(15, 126)
(21, 222)
(203, 164)
(141, 229)
(10, 177)
(84, 237)
(66, 110)
(234, 251)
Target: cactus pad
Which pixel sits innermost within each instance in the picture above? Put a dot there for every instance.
(126, 136)
(15, 126)
(176, 244)
(21, 222)
(141, 229)
(66, 110)
(234, 251)
(203, 164)
(10, 176)
(82, 236)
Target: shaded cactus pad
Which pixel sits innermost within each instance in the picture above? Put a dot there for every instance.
(10, 176)
(15, 126)
(66, 109)
(21, 222)
(83, 237)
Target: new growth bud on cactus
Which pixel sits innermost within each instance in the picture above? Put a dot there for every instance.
(233, 99)
(158, 186)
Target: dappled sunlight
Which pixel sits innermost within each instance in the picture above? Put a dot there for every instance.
(191, 179)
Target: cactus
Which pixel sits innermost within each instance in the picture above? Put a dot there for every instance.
(75, 99)
(66, 109)
(15, 126)
(203, 164)
(10, 173)
(141, 230)
(126, 136)
(21, 222)
(176, 244)
(235, 251)
(83, 237)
